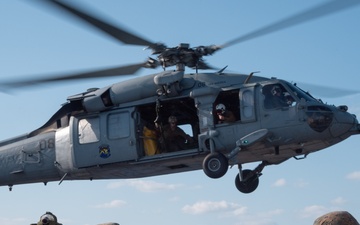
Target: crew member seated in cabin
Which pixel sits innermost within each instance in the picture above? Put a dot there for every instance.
(174, 138)
(224, 115)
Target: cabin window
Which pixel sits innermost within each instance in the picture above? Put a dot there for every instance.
(89, 130)
(248, 104)
(187, 128)
(118, 125)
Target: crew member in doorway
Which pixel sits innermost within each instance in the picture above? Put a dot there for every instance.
(174, 138)
(224, 115)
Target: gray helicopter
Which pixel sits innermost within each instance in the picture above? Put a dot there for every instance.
(172, 122)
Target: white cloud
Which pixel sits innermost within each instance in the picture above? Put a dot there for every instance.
(241, 210)
(301, 183)
(338, 201)
(204, 206)
(242, 214)
(14, 221)
(272, 213)
(260, 218)
(256, 221)
(174, 199)
(144, 185)
(211, 206)
(313, 211)
(112, 204)
(279, 183)
(353, 176)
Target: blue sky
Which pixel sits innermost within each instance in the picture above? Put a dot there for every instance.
(38, 41)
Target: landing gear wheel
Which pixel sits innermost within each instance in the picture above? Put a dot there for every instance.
(250, 181)
(215, 165)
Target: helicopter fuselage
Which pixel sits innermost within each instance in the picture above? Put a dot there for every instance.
(115, 132)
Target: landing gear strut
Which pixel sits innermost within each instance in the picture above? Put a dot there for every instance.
(215, 164)
(248, 180)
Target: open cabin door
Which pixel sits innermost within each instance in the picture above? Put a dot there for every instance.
(104, 138)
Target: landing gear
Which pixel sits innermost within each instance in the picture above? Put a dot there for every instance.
(215, 165)
(249, 183)
(248, 180)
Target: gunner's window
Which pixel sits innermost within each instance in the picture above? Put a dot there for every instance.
(227, 107)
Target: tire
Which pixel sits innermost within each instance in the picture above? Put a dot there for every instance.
(215, 165)
(250, 183)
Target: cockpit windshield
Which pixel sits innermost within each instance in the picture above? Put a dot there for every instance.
(301, 94)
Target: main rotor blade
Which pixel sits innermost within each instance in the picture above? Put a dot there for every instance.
(325, 91)
(311, 14)
(116, 32)
(201, 65)
(109, 72)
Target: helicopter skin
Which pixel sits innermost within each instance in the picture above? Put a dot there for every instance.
(99, 134)
(118, 131)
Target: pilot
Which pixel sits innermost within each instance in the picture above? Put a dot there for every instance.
(173, 137)
(278, 99)
(223, 115)
(47, 219)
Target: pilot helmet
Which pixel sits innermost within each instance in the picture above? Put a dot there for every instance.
(276, 90)
(172, 119)
(220, 108)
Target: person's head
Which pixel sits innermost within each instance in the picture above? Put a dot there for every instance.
(172, 120)
(48, 219)
(276, 90)
(220, 109)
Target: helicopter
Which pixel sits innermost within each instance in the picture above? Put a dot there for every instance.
(115, 132)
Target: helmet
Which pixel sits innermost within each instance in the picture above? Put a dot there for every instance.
(276, 90)
(48, 219)
(220, 108)
(172, 119)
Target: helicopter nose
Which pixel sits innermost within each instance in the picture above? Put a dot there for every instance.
(344, 124)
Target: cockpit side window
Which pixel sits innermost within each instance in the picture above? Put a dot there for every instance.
(276, 96)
